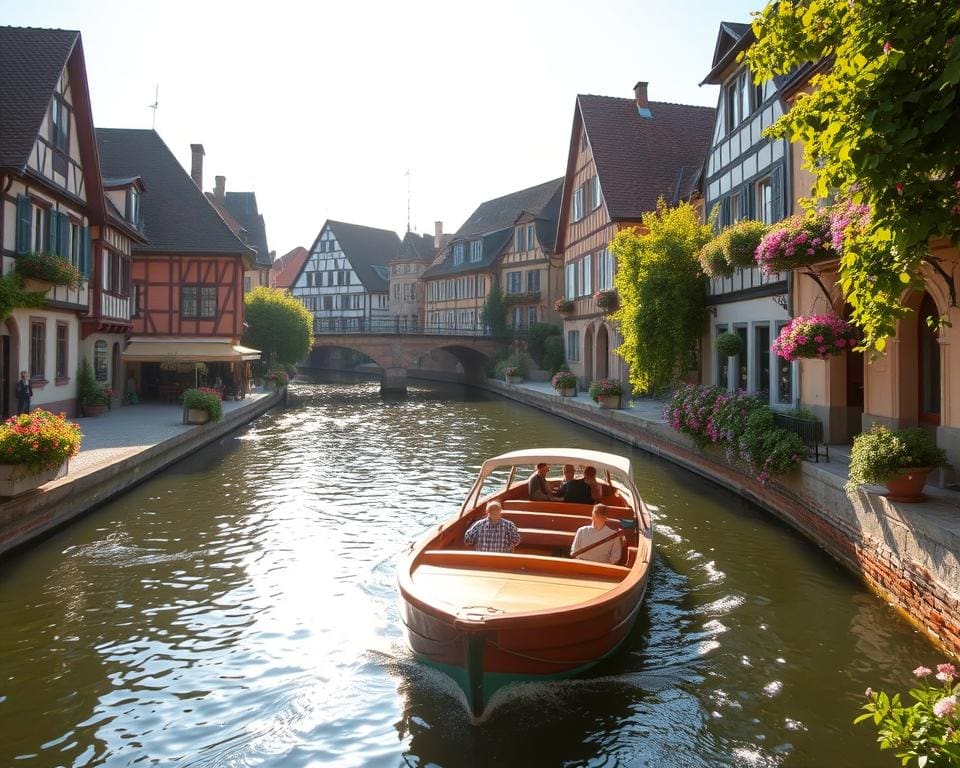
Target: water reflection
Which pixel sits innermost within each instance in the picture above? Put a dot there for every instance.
(240, 609)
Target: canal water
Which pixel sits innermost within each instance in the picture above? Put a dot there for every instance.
(240, 610)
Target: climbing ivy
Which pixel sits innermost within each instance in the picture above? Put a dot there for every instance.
(881, 125)
(662, 289)
(13, 296)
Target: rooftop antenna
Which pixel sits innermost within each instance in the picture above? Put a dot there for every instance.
(407, 174)
(156, 103)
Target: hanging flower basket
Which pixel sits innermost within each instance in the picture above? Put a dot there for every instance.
(607, 300)
(797, 242)
(742, 241)
(564, 306)
(815, 336)
(524, 297)
(729, 344)
(47, 268)
(713, 258)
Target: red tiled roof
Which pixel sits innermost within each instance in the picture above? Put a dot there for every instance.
(285, 269)
(641, 159)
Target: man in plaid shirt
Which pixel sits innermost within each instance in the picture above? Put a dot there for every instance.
(493, 533)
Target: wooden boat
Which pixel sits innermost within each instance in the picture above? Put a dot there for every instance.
(488, 619)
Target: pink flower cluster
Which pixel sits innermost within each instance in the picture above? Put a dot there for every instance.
(814, 336)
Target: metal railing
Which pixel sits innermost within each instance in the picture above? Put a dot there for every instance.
(362, 326)
(810, 431)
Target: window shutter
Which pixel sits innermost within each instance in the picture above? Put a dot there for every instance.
(63, 235)
(776, 182)
(52, 226)
(24, 223)
(86, 247)
(746, 202)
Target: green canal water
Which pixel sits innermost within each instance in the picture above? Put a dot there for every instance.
(239, 610)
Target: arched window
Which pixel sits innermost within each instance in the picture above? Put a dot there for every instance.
(100, 360)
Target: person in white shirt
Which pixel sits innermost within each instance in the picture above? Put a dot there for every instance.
(607, 552)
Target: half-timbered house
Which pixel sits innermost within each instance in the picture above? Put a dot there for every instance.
(406, 290)
(187, 279)
(458, 283)
(344, 281)
(624, 155)
(52, 198)
(747, 176)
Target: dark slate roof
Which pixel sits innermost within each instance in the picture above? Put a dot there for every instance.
(638, 159)
(368, 250)
(416, 248)
(732, 38)
(547, 221)
(31, 61)
(502, 212)
(243, 207)
(493, 243)
(177, 218)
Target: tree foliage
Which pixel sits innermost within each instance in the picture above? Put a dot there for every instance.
(277, 324)
(882, 125)
(662, 312)
(494, 312)
(13, 296)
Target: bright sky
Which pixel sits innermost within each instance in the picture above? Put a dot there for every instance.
(322, 107)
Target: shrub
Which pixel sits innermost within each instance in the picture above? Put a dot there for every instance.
(203, 400)
(510, 366)
(39, 440)
(48, 267)
(740, 423)
(537, 340)
(880, 453)
(729, 344)
(814, 336)
(89, 392)
(564, 380)
(605, 387)
(742, 241)
(713, 258)
(553, 356)
(928, 729)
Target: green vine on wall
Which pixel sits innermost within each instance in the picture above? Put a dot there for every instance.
(13, 296)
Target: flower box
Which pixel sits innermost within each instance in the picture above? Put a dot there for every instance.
(93, 410)
(36, 285)
(815, 336)
(564, 306)
(607, 300)
(197, 416)
(608, 402)
(515, 379)
(567, 392)
(16, 479)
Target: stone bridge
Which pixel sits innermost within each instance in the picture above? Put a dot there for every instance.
(396, 353)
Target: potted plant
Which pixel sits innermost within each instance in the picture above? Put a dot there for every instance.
(565, 382)
(741, 242)
(901, 460)
(713, 258)
(797, 242)
(564, 306)
(35, 448)
(201, 405)
(729, 344)
(512, 374)
(815, 336)
(606, 393)
(607, 300)
(91, 397)
(275, 379)
(41, 270)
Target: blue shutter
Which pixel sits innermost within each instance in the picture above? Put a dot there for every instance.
(776, 184)
(86, 246)
(52, 234)
(63, 235)
(24, 223)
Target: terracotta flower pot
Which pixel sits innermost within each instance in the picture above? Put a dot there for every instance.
(93, 410)
(513, 379)
(608, 401)
(197, 416)
(567, 392)
(907, 486)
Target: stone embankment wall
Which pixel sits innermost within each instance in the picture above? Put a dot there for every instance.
(908, 553)
(30, 516)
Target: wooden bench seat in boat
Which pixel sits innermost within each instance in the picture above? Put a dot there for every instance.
(562, 507)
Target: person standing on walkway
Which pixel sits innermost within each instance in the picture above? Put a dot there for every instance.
(24, 393)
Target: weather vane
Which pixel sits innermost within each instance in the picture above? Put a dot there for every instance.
(156, 103)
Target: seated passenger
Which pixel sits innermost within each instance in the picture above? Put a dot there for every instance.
(606, 541)
(573, 489)
(537, 487)
(493, 533)
(590, 478)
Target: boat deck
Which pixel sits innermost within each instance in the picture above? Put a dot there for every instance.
(496, 589)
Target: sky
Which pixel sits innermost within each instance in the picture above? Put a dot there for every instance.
(323, 108)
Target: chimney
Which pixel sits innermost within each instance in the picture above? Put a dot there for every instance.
(218, 190)
(640, 93)
(437, 233)
(196, 164)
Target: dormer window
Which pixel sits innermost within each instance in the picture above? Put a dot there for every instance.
(134, 210)
(741, 98)
(59, 124)
(476, 250)
(458, 250)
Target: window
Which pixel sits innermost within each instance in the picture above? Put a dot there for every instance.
(133, 208)
(765, 201)
(188, 301)
(135, 294)
(247, 283)
(513, 282)
(41, 233)
(517, 317)
(743, 380)
(38, 348)
(761, 351)
(518, 246)
(59, 124)
(531, 315)
(481, 286)
(61, 351)
(100, 360)
(573, 345)
(75, 244)
(604, 269)
(578, 203)
(476, 250)
(533, 281)
(596, 197)
(784, 376)
(586, 275)
(531, 240)
(570, 284)
(723, 364)
(328, 302)
(458, 254)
